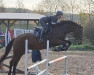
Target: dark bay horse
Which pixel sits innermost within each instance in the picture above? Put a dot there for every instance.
(57, 37)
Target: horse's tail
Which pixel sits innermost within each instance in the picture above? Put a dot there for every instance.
(8, 49)
(36, 56)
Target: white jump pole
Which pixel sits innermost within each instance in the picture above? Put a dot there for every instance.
(9, 37)
(65, 67)
(47, 57)
(37, 64)
(26, 56)
(5, 39)
(56, 60)
(6, 36)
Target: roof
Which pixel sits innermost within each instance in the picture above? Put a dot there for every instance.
(20, 16)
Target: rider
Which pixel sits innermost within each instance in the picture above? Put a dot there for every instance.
(44, 21)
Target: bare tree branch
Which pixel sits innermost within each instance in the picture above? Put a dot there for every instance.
(2, 8)
(52, 5)
(20, 6)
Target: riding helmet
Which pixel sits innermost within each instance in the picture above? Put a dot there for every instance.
(59, 13)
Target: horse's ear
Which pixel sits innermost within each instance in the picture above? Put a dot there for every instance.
(80, 26)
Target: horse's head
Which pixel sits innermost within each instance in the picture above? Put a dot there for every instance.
(78, 33)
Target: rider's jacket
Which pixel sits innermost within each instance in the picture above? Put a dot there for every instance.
(48, 20)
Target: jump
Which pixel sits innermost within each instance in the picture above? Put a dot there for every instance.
(56, 37)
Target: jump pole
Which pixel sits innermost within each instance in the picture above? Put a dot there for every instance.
(26, 56)
(47, 57)
(47, 62)
(26, 59)
(56, 60)
(37, 64)
(65, 67)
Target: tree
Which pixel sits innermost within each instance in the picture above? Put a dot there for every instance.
(51, 5)
(83, 18)
(20, 6)
(2, 8)
(89, 31)
(73, 6)
(89, 8)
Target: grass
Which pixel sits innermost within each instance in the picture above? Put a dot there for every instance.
(84, 47)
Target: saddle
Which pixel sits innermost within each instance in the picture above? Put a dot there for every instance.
(37, 31)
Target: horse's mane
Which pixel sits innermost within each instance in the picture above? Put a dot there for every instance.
(66, 22)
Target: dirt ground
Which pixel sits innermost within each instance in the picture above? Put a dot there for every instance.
(78, 62)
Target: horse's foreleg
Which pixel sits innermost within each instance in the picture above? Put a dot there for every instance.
(60, 42)
(56, 42)
(68, 43)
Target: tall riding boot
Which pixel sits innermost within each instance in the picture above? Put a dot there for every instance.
(41, 36)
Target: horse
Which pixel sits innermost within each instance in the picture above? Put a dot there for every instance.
(56, 37)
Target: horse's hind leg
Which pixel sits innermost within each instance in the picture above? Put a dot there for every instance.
(10, 68)
(14, 67)
(13, 64)
(16, 60)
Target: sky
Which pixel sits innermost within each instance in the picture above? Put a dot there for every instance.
(27, 3)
